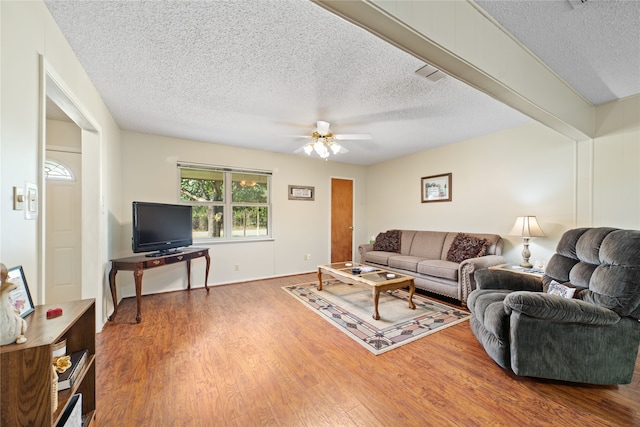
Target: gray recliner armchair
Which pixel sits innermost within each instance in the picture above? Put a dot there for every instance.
(591, 337)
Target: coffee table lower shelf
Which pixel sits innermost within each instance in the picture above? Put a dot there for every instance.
(379, 280)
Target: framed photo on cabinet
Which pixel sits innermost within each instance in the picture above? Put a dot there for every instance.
(20, 298)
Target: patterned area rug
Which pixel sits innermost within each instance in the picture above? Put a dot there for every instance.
(350, 308)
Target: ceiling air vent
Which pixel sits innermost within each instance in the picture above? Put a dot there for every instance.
(577, 3)
(431, 73)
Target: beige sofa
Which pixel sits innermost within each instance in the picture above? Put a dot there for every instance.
(441, 262)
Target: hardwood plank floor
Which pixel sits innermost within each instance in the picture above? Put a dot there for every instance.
(250, 355)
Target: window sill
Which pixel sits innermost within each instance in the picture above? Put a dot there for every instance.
(199, 242)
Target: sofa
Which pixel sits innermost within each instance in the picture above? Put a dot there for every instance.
(440, 262)
(578, 323)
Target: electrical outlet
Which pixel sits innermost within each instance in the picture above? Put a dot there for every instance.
(237, 267)
(307, 257)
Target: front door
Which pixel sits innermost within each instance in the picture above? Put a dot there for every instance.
(63, 245)
(341, 220)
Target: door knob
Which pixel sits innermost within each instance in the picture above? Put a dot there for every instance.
(351, 228)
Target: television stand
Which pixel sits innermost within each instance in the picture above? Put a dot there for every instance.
(139, 263)
(162, 253)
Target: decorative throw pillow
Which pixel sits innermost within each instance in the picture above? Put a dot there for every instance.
(388, 242)
(556, 288)
(465, 247)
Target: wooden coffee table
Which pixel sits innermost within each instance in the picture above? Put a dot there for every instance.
(380, 280)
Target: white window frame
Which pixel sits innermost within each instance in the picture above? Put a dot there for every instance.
(59, 171)
(227, 203)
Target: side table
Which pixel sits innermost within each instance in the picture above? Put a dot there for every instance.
(517, 269)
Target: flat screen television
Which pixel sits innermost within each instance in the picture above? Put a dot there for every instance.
(160, 227)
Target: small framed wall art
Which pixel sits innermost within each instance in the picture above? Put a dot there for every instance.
(20, 298)
(436, 188)
(298, 192)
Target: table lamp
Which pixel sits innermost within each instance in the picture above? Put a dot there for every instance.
(526, 227)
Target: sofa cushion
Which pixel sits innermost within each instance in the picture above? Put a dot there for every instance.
(604, 261)
(439, 268)
(615, 283)
(388, 242)
(405, 262)
(554, 308)
(465, 247)
(487, 305)
(406, 240)
(428, 244)
(378, 257)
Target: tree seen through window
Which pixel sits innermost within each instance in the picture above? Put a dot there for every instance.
(247, 203)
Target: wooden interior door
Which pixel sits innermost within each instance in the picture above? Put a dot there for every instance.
(341, 220)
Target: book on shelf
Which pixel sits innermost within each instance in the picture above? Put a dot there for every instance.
(68, 377)
(72, 415)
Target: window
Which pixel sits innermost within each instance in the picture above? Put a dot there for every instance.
(228, 204)
(56, 170)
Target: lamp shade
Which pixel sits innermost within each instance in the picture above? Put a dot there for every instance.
(526, 226)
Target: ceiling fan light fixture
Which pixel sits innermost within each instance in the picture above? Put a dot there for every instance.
(324, 143)
(321, 149)
(322, 128)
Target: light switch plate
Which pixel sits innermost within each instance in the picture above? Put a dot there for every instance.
(18, 198)
(31, 201)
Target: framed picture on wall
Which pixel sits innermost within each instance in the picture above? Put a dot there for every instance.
(436, 188)
(297, 192)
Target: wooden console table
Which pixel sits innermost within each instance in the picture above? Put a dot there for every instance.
(139, 263)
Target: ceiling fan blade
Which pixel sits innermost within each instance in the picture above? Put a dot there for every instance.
(342, 150)
(353, 136)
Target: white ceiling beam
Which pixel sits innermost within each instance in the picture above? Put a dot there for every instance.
(459, 39)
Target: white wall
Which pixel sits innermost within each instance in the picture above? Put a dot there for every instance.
(523, 171)
(616, 166)
(299, 227)
(28, 36)
(63, 135)
(19, 130)
(530, 170)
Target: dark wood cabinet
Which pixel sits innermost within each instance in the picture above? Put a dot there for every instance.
(26, 397)
(139, 263)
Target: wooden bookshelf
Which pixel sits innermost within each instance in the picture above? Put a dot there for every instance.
(26, 369)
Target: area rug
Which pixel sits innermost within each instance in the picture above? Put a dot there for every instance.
(350, 307)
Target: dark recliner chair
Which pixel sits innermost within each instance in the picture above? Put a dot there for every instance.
(590, 338)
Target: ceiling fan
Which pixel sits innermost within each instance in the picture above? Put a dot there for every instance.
(323, 142)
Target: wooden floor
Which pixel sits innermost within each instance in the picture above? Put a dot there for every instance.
(251, 355)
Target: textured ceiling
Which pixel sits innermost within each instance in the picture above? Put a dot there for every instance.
(594, 46)
(254, 74)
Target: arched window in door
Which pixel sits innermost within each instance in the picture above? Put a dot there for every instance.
(58, 171)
